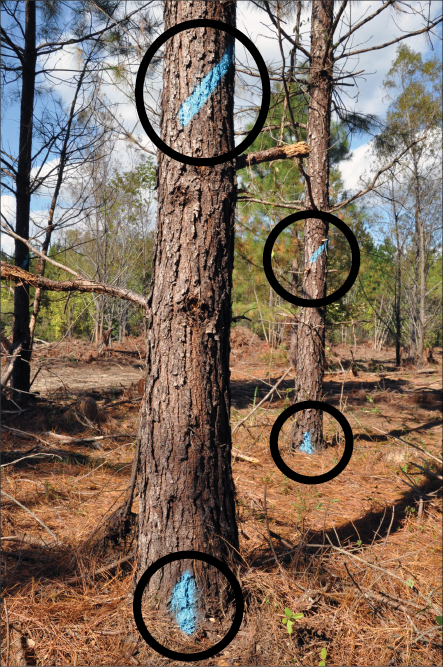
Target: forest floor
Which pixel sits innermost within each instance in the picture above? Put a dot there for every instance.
(359, 556)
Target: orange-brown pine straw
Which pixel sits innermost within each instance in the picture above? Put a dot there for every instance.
(352, 555)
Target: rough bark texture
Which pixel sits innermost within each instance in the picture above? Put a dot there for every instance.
(311, 327)
(20, 331)
(186, 486)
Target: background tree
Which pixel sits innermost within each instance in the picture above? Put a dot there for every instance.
(325, 73)
(31, 33)
(414, 89)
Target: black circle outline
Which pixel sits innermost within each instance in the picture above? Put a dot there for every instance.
(176, 655)
(296, 300)
(311, 479)
(266, 93)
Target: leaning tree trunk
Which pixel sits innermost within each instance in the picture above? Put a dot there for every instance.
(186, 485)
(20, 333)
(310, 359)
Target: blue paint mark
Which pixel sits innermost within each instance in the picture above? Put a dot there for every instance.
(315, 255)
(184, 603)
(306, 445)
(25, 261)
(204, 90)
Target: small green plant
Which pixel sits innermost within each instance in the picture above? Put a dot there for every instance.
(289, 619)
(370, 399)
(410, 582)
(323, 654)
(255, 397)
(359, 543)
(439, 620)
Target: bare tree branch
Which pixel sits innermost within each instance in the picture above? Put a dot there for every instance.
(374, 180)
(81, 284)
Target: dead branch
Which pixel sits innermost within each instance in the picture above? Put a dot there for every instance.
(48, 530)
(410, 444)
(268, 395)
(298, 150)
(106, 568)
(238, 455)
(81, 284)
(29, 456)
(10, 368)
(375, 179)
(367, 563)
(66, 439)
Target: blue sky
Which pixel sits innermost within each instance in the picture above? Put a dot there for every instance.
(255, 24)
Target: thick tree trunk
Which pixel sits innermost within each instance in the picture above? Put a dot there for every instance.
(20, 333)
(311, 327)
(186, 485)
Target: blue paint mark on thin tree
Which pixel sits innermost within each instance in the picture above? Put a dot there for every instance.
(315, 255)
(204, 90)
(306, 445)
(183, 603)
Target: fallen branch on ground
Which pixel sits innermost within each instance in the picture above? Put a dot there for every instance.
(66, 439)
(410, 444)
(48, 530)
(268, 395)
(105, 568)
(238, 455)
(29, 456)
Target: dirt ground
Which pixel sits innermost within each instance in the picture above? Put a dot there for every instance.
(359, 556)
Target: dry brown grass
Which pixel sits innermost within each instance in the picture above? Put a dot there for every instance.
(63, 608)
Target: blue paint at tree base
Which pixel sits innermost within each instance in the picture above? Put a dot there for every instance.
(306, 445)
(204, 90)
(183, 603)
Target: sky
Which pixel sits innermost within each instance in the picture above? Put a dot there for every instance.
(254, 23)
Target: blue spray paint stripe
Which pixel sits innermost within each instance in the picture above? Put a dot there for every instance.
(306, 445)
(184, 603)
(204, 90)
(315, 255)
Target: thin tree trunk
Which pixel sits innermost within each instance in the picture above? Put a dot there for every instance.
(311, 327)
(398, 287)
(421, 338)
(20, 333)
(186, 485)
(50, 227)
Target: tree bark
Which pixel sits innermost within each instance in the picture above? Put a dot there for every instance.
(398, 291)
(186, 485)
(20, 333)
(311, 328)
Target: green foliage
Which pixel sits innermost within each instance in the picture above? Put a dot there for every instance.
(289, 619)
(323, 656)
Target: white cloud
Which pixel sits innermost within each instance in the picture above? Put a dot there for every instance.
(8, 208)
(352, 169)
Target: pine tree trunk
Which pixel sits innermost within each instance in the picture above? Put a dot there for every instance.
(311, 327)
(186, 485)
(20, 334)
